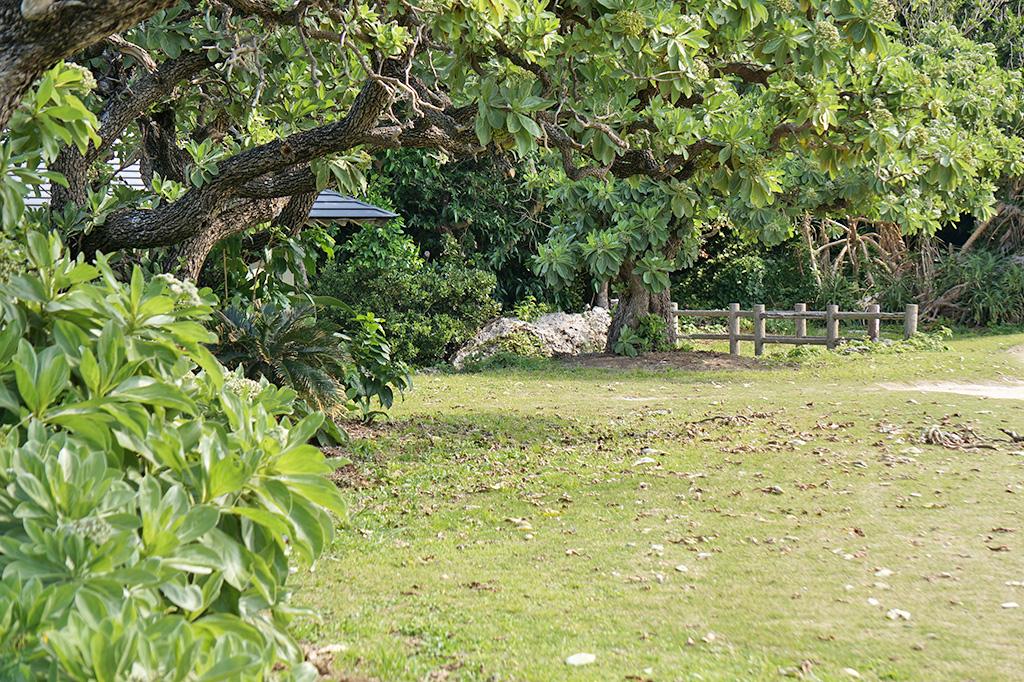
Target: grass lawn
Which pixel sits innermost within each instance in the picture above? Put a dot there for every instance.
(505, 521)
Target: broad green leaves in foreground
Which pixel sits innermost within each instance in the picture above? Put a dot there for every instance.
(150, 511)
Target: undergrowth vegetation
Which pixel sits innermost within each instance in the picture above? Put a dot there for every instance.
(333, 369)
(428, 308)
(150, 511)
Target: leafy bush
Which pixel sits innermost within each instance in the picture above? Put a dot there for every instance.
(487, 205)
(530, 310)
(373, 374)
(328, 369)
(840, 290)
(747, 274)
(895, 290)
(740, 280)
(647, 336)
(922, 341)
(989, 287)
(149, 513)
(629, 343)
(651, 330)
(427, 309)
(288, 348)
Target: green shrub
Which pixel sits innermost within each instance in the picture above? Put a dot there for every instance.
(529, 309)
(330, 368)
(287, 347)
(651, 330)
(150, 511)
(989, 287)
(747, 274)
(740, 280)
(839, 290)
(428, 309)
(647, 336)
(373, 374)
(629, 343)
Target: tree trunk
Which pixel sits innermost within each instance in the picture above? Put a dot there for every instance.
(602, 300)
(661, 305)
(36, 34)
(635, 302)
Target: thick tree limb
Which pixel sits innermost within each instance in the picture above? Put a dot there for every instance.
(142, 93)
(195, 213)
(747, 72)
(133, 51)
(120, 111)
(36, 34)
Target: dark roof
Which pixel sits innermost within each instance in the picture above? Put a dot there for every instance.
(329, 205)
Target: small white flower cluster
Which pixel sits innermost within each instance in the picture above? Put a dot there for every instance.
(693, 22)
(91, 528)
(185, 291)
(88, 80)
(12, 258)
(700, 70)
(242, 387)
(781, 6)
(827, 33)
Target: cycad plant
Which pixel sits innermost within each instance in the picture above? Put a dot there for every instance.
(331, 369)
(289, 347)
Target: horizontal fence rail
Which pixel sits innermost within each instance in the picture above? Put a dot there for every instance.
(831, 316)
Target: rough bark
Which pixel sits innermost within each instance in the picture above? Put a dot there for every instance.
(188, 257)
(122, 109)
(189, 217)
(160, 144)
(602, 300)
(637, 301)
(36, 34)
(634, 303)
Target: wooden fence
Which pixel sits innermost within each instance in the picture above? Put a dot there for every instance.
(831, 316)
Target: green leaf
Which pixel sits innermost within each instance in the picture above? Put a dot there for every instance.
(148, 390)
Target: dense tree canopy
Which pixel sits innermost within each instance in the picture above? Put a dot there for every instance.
(919, 136)
(737, 110)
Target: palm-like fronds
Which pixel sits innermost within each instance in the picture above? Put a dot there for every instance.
(287, 346)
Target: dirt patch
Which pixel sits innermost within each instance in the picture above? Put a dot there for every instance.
(689, 360)
(1017, 353)
(349, 476)
(1004, 391)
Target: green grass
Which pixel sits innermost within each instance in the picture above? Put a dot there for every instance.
(437, 576)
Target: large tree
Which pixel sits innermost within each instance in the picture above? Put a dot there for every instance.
(920, 136)
(616, 88)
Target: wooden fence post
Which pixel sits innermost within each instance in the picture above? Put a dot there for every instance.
(801, 323)
(758, 329)
(831, 326)
(734, 329)
(874, 323)
(675, 317)
(910, 320)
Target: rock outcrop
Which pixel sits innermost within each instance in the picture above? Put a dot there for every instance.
(551, 334)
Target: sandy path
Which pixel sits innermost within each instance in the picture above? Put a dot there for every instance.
(1006, 390)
